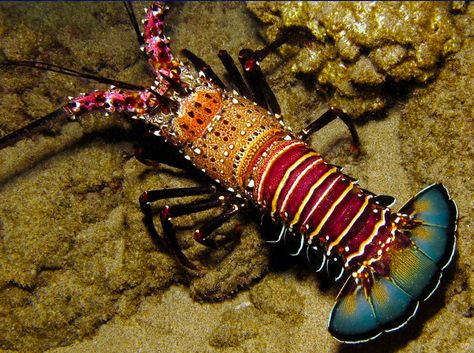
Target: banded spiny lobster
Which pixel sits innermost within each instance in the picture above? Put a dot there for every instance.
(390, 260)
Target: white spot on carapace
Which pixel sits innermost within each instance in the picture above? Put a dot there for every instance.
(187, 157)
(231, 146)
(197, 150)
(226, 154)
(230, 189)
(287, 138)
(251, 184)
(235, 101)
(243, 132)
(346, 249)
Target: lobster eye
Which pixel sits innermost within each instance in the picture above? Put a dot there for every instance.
(316, 257)
(334, 267)
(293, 243)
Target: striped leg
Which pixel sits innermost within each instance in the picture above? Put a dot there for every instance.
(234, 73)
(201, 65)
(150, 148)
(258, 89)
(325, 119)
(250, 61)
(167, 213)
(262, 92)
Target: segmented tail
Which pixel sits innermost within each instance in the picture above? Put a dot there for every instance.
(384, 296)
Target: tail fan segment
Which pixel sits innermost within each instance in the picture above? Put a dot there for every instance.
(371, 302)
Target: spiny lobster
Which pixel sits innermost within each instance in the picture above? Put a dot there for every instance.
(390, 260)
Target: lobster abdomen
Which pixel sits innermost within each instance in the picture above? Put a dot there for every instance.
(314, 199)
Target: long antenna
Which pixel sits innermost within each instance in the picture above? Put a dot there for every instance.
(42, 124)
(70, 72)
(133, 19)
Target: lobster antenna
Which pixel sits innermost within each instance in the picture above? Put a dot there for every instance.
(70, 72)
(42, 124)
(136, 27)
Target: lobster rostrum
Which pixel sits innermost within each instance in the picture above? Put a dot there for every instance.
(390, 260)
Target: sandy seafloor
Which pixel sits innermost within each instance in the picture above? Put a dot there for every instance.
(78, 271)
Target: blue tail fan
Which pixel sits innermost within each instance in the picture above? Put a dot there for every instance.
(371, 302)
(365, 311)
(434, 221)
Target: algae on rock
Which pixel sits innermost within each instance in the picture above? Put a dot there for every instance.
(361, 48)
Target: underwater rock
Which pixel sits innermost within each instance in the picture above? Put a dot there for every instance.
(359, 48)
